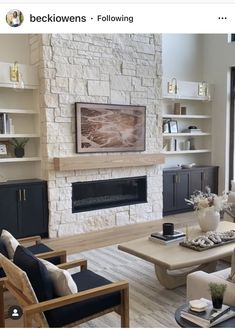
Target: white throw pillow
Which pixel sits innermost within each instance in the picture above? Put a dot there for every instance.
(62, 281)
(10, 242)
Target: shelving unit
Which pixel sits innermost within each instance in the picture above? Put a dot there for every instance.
(21, 105)
(198, 113)
(199, 151)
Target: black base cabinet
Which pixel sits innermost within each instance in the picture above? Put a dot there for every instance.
(24, 207)
(179, 184)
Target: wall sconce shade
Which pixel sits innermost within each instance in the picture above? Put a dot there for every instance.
(14, 72)
(172, 86)
(203, 89)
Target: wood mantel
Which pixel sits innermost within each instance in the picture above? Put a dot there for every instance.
(107, 161)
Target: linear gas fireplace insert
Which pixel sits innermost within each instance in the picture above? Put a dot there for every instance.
(93, 195)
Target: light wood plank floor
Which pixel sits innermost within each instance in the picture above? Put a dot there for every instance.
(151, 304)
(117, 235)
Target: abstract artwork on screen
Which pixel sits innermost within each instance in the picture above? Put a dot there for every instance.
(110, 128)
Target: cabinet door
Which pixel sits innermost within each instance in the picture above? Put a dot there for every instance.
(175, 190)
(196, 181)
(9, 210)
(33, 210)
(169, 192)
(210, 178)
(182, 190)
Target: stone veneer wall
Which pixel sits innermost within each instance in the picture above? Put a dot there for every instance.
(118, 69)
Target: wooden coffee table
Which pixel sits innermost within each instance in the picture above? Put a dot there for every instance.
(172, 261)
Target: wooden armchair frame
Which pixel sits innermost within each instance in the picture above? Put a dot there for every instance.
(18, 284)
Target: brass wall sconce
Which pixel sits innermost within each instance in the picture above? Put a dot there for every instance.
(172, 86)
(16, 76)
(14, 72)
(203, 89)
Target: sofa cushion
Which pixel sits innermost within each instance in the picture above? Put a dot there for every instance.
(36, 271)
(85, 280)
(62, 281)
(10, 242)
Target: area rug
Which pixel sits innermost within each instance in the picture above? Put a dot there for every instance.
(151, 306)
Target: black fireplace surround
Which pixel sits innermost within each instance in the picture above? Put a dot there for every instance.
(93, 195)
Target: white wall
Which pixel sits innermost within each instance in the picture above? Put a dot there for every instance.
(14, 47)
(219, 57)
(182, 56)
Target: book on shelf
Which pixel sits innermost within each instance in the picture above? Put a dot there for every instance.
(1, 123)
(4, 123)
(209, 317)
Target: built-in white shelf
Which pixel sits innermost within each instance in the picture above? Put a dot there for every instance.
(24, 135)
(175, 97)
(186, 116)
(199, 151)
(11, 85)
(185, 134)
(19, 111)
(20, 160)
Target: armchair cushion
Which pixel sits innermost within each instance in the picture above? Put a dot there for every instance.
(62, 281)
(10, 243)
(36, 272)
(3, 249)
(85, 280)
(42, 248)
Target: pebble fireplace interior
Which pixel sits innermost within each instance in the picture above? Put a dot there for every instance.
(93, 195)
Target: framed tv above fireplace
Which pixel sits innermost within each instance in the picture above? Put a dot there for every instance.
(110, 128)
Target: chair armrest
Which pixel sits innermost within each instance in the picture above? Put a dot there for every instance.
(76, 297)
(36, 239)
(75, 263)
(61, 253)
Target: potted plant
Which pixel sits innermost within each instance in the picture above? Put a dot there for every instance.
(19, 145)
(217, 294)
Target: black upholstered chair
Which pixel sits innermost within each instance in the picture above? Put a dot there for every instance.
(29, 282)
(38, 248)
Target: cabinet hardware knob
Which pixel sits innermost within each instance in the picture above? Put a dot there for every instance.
(24, 194)
(20, 197)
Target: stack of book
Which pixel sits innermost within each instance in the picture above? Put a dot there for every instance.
(208, 317)
(166, 239)
(5, 123)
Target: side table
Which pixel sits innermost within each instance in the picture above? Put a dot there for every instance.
(187, 324)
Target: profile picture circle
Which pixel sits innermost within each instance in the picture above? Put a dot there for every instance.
(14, 18)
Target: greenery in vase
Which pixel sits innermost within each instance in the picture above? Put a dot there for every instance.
(19, 143)
(217, 289)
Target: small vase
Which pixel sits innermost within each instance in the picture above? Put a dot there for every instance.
(19, 152)
(217, 302)
(208, 219)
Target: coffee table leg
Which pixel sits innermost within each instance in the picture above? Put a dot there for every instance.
(176, 279)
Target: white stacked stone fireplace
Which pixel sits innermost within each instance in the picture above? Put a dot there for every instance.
(114, 69)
